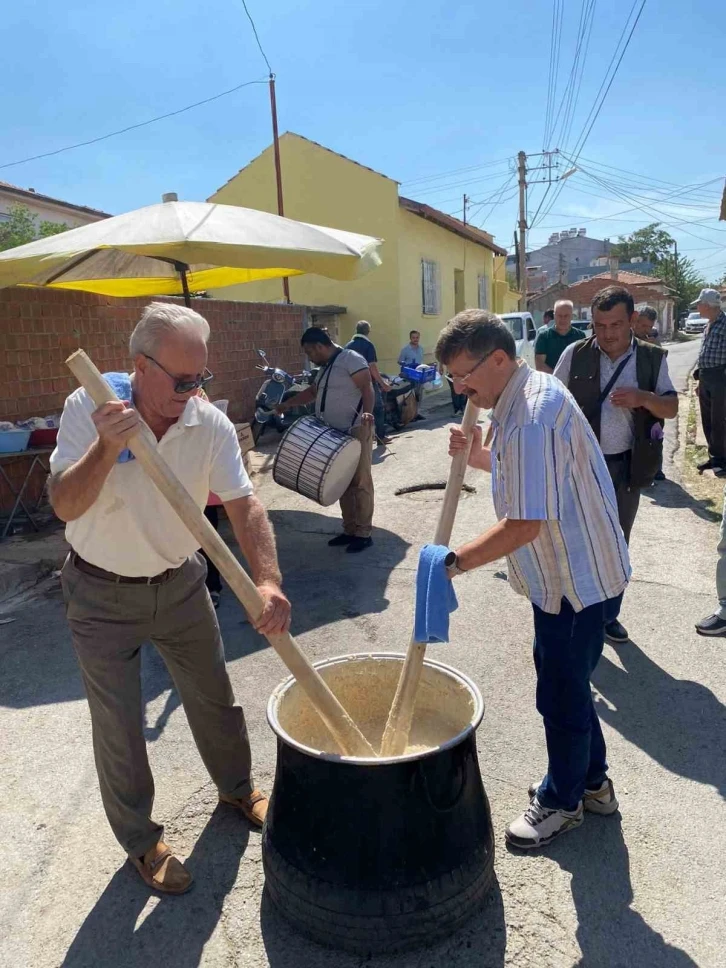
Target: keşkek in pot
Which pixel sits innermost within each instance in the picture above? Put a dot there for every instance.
(378, 855)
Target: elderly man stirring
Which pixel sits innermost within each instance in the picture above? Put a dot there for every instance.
(558, 527)
(134, 574)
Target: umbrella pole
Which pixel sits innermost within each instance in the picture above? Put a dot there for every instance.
(185, 285)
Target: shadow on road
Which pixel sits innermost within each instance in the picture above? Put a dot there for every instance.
(480, 944)
(668, 494)
(679, 723)
(610, 933)
(324, 585)
(177, 929)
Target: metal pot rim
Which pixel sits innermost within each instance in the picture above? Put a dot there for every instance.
(380, 760)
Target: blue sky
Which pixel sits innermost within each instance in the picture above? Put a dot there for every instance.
(414, 90)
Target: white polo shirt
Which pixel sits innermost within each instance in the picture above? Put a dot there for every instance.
(131, 529)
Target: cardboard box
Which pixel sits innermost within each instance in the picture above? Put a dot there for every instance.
(244, 436)
(246, 443)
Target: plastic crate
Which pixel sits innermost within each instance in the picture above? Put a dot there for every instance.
(13, 441)
(419, 376)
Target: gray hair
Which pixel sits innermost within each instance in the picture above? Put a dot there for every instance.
(363, 327)
(476, 332)
(649, 313)
(161, 319)
(564, 302)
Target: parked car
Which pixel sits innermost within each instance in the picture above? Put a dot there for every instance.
(695, 323)
(523, 329)
(584, 326)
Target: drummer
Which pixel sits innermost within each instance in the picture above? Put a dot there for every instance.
(134, 574)
(558, 527)
(344, 399)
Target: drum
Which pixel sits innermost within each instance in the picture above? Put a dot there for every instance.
(316, 460)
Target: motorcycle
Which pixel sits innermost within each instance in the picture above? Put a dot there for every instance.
(278, 386)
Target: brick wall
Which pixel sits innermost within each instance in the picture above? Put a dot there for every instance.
(40, 328)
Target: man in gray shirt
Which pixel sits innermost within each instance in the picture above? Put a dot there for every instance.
(344, 399)
(614, 354)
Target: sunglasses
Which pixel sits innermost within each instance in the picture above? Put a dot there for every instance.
(184, 386)
(464, 379)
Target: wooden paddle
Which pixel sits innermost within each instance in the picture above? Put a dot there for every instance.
(346, 734)
(395, 735)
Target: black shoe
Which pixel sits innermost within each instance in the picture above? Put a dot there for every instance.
(660, 476)
(615, 632)
(713, 625)
(341, 539)
(382, 441)
(712, 464)
(358, 544)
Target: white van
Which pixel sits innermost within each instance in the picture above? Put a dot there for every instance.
(524, 330)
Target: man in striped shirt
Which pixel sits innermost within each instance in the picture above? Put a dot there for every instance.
(558, 526)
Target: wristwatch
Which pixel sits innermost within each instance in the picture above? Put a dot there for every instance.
(451, 563)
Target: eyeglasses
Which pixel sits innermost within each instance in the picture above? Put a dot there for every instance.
(184, 386)
(464, 379)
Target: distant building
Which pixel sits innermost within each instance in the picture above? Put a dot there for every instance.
(45, 208)
(567, 256)
(434, 265)
(646, 291)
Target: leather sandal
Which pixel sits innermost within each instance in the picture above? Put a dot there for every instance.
(163, 872)
(253, 806)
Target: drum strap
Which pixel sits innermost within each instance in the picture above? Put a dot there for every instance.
(326, 375)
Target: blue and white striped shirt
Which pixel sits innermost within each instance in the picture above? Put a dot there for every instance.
(547, 466)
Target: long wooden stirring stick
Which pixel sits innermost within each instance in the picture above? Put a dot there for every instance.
(346, 734)
(395, 735)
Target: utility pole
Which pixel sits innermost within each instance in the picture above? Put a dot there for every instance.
(522, 164)
(466, 202)
(675, 283)
(278, 170)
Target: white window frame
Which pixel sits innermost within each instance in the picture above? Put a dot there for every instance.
(482, 284)
(430, 288)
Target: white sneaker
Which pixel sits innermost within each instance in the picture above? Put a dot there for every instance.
(540, 825)
(602, 800)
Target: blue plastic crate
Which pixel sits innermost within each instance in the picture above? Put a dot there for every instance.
(419, 376)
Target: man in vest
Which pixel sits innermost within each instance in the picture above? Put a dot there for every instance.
(623, 387)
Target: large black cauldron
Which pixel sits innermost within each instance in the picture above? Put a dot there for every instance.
(378, 855)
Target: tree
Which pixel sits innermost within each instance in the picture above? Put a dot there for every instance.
(683, 278)
(21, 226)
(651, 243)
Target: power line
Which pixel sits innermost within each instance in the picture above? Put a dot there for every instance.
(555, 34)
(603, 91)
(580, 143)
(132, 127)
(257, 38)
(454, 171)
(465, 183)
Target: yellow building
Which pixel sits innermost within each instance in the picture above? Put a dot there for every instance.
(433, 264)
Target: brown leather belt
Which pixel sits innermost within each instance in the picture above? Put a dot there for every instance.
(87, 568)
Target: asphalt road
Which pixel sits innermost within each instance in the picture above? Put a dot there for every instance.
(643, 887)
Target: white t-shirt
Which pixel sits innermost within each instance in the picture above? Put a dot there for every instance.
(131, 529)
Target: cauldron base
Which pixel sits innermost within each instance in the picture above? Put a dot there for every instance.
(379, 855)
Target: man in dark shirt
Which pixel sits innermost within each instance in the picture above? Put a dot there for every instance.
(712, 379)
(552, 343)
(363, 345)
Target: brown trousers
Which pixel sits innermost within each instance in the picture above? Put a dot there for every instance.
(109, 623)
(357, 502)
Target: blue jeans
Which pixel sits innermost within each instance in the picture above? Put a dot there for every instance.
(567, 647)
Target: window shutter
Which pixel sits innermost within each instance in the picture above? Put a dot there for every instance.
(431, 288)
(483, 292)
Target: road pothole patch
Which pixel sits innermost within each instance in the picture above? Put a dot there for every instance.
(431, 492)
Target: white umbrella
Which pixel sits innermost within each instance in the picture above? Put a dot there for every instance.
(175, 246)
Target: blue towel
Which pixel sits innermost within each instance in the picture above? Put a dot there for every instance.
(120, 383)
(435, 596)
